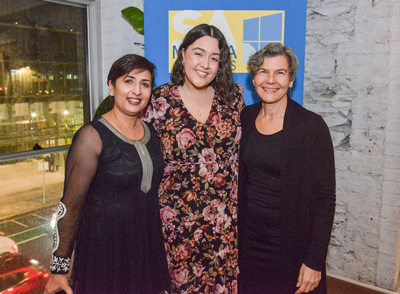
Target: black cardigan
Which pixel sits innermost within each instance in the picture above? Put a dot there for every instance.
(307, 185)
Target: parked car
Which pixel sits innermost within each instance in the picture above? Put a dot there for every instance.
(7, 245)
(20, 275)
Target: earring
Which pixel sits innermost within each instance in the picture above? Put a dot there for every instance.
(111, 94)
(290, 92)
(254, 91)
(183, 68)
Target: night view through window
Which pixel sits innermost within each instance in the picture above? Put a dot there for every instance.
(43, 101)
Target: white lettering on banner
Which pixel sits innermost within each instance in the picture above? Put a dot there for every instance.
(177, 22)
(219, 20)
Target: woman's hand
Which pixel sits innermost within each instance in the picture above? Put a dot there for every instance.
(308, 279)
(57, 283)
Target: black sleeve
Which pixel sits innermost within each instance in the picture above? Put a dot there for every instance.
(324, 187)
(80, 168)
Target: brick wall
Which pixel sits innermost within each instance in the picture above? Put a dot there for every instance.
(388, 265)
(351, 79)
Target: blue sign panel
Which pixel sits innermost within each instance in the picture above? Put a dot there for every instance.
(247, 26)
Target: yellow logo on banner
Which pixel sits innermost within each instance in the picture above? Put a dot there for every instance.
(246, 31)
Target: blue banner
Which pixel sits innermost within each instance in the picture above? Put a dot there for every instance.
(246, 25)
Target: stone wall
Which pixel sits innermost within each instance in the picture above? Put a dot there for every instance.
(351, 69)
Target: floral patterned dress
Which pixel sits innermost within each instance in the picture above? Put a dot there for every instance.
(198, 192)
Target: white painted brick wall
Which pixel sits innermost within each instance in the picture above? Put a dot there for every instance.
(353, 52)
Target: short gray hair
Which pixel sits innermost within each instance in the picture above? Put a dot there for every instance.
(272, 50)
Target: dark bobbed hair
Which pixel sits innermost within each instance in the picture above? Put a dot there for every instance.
(223, 84)
(272, 50)
(127, 63)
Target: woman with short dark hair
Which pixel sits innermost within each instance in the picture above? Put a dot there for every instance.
(109, 210)
(286, 184)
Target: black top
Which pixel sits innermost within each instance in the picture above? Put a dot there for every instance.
(110, 211)
(261, 157)
(307, 187)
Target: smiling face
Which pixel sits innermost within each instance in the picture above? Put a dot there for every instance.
(272, 80)
(201, 62)
(132, 91)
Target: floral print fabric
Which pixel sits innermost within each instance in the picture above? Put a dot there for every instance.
(198, 192)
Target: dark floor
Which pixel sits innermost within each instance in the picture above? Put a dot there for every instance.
(336, 286)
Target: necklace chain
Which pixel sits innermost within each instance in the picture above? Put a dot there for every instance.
(131, 130)
(190, 100)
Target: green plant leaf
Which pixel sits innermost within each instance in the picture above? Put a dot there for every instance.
(135, 17)
(103, 108)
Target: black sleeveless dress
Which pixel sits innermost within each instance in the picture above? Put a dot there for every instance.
(110, 211)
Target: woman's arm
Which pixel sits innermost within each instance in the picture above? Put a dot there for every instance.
(324, 187)
(323, 183)
(308, 279)
(81, 165)
(57, 283)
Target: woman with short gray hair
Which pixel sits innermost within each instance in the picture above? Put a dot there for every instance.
(272, 50)
(286, 184)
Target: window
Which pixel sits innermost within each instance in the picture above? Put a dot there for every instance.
(44, 99)
(43, 76)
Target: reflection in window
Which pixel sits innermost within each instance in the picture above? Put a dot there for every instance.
(11, 280)
(43, 102)
(43, 85)
(31, 190)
